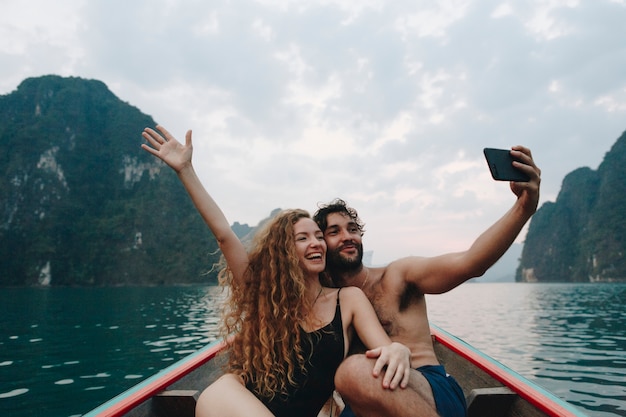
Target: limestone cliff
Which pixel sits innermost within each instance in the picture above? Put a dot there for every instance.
(581, 237)
(81, 203)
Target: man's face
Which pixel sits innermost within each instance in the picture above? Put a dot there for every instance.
(343, 239)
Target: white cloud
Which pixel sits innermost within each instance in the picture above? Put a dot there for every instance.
(263, 30)
(208, 26)
(386, 104)
(544, 23)
(432, 21)
(614, 103)
(502, 10)
(397, 130)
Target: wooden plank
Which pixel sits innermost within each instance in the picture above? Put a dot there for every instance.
(175, 403)
(490, 402)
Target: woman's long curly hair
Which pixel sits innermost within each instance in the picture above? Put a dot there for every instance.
(265, 310)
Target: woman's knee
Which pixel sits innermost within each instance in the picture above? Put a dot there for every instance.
(208, 403)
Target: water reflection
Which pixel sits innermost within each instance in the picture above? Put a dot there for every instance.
(570, 339)
(89, 344)
(67, 350)
(186, 323)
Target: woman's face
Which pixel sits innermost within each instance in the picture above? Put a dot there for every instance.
(310, 246)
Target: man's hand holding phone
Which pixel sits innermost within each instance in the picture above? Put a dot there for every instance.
(501, 166)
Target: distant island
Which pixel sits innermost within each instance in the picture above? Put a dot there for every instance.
(582, 236)
(83, 205)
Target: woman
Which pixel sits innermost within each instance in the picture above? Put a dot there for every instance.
(290, 331)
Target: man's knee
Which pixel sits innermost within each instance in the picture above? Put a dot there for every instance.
(354, 376)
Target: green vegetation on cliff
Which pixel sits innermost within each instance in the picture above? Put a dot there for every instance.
(582, 236)
(81, 203)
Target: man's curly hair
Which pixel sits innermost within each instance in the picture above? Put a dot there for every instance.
(337, 206)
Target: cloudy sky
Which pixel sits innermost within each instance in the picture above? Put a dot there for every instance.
(387, 104)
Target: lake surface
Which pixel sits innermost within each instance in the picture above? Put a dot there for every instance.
(568, 338)
(64, 351)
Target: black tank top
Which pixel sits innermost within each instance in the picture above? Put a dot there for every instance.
(316, 386)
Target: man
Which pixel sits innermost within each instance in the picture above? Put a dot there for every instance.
(397, 294)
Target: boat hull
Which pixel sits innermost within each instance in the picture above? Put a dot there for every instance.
(491, 388)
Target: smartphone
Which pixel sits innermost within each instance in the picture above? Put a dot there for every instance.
(501, 166)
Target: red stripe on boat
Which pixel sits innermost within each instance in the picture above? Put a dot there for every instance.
(534, 394)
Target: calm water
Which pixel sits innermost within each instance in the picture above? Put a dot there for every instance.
(64, 351)
(568, 338)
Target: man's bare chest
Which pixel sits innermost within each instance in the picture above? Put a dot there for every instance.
(395, 306)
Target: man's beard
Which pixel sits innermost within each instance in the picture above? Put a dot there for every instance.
(336, 263)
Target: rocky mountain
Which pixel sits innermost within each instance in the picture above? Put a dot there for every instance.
(81, 203)
(581, 237)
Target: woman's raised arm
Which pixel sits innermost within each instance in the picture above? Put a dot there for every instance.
(178, 156)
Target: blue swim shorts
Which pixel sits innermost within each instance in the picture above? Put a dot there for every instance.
(448, 395)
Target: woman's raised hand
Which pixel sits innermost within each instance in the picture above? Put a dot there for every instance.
(165, 147)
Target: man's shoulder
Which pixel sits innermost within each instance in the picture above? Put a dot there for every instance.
(408, 262)
(404, 269)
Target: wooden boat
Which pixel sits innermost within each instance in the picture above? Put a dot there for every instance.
(491, 389)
